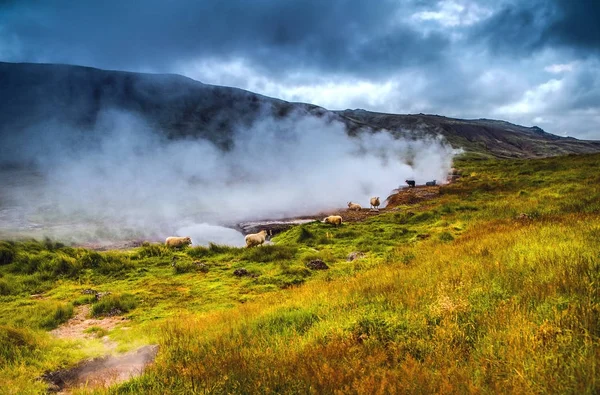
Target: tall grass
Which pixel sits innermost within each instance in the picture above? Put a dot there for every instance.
(506, 308)
(491, 287)
(497, 302)
(113, 305)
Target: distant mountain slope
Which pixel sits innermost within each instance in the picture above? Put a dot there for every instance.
(34, 94)
(482, 136)
(37, 93)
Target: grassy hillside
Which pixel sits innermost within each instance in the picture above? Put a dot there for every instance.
(491, 287)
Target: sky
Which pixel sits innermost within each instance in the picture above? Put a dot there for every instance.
(534, 62)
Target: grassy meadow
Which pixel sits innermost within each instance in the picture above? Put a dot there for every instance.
(494, 286)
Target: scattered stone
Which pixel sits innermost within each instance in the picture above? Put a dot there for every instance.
(114, 312)
(355, 255)
(242, 272)
(89, 292)
(317, 264)
(523, 217)
(56, 380)
(100, 295)
(202, 267)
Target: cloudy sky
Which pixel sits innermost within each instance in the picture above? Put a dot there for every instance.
(534, 62)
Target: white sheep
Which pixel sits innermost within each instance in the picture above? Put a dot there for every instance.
(375, 203)
(333, 219)
(178, 241)
(256, 239)
(354, 206)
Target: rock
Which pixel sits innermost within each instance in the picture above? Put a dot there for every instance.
(523, 217)
(89, 292)
(100, 295)
(272, 226)
(317, 264)
(56, 380)
(242, 272)
(114, 311)
(355, 255)
(202, 267)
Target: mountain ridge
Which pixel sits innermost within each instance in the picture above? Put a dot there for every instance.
(182, 107)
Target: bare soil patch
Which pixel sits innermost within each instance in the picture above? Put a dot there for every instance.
(412, 195)
(98, 372)
(76, 326)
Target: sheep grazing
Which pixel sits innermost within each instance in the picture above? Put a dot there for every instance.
(411, 183)
(178, 241)
(430, 183)
(256, 239)
(354, 206)
(333, 220)
(375, 203)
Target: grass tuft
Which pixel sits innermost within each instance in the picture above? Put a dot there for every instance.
(111, 305)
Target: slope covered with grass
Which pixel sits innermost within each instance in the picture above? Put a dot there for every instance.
(491, 287)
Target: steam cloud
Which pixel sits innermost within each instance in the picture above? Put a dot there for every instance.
(125, 180)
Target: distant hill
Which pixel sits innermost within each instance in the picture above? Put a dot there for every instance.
(481, 136)
(33, 94)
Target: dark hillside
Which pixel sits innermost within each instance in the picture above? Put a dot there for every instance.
(180, 107)
(75, 96)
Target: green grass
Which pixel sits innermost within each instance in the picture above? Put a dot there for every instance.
(96, 331)
(456, 294)
(113, 305)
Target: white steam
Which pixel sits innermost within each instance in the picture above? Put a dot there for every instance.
(127, 180)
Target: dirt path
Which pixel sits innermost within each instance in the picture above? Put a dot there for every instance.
(76, 326)
(98, 372)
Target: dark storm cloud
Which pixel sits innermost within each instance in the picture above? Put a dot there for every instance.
(463, 58)
(584, 88)
(348, 36)
(576, 24)
(533, 25)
